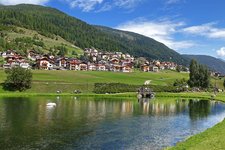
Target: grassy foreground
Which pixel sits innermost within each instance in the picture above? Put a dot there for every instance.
(211, 139)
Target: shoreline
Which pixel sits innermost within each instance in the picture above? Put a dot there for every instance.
(202, 95)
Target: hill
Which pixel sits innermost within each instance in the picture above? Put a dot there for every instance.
(22, 39)
(52, 23)
(143, 46)
(213, 63)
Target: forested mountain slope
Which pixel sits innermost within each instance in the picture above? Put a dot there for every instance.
(213, 63)
(51, 23)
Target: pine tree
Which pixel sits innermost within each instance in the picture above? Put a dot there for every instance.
(199, 75)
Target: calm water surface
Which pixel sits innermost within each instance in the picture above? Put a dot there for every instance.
(87, 123)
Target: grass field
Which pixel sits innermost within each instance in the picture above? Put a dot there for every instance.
(68, 81)
(45, 81)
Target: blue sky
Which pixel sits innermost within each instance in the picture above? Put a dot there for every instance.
(187, 26)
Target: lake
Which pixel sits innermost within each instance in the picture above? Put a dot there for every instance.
(94, 123)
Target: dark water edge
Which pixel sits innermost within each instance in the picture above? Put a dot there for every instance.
(95, 123)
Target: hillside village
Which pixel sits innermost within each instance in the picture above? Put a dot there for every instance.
(92, 60)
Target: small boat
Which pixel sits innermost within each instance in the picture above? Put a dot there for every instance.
(51, 104)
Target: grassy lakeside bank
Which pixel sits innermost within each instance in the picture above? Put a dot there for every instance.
(22, 94)
(211, 139)
(188, 95)
(206, 96)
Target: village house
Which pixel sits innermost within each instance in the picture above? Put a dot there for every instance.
(145, 68)
(73, 64)
(119, 54)
(32, 55)
(161, 67)
(83, 67)
(25, 65)
(61, 63)
(100, 67)
(115, 56)
(44, 64)
(9, 53)
(115, 68)
(7, 66)
(156, 63)
(169, 65)
(172, 66)
(92, 67)
(104, 56)
(14, 61)
(114, 61)
(153, 68)
(91, 52)
(94, 58)
(126, 68)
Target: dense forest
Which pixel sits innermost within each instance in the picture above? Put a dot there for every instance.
(51, 22)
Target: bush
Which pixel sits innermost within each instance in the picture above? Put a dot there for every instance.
(102, 88)
(18, 79)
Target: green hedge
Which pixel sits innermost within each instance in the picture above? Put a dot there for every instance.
(102, 88)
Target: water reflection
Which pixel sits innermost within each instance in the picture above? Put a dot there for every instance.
(199, 109)
(82, 123)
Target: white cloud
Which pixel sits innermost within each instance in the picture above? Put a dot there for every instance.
(102, 5)
(85, 5)
(161, 31)
(126, 3)
(208, 30)
(105, 7)
(173, 1)
(15, 2)
(221, 52)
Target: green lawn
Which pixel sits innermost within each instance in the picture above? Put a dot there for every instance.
(68, 81)
(45, 81)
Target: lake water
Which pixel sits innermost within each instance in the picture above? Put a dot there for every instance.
(88, 123)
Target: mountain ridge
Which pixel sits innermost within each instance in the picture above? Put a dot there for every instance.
(215, 64)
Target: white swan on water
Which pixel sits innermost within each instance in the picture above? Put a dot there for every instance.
(51, 104)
